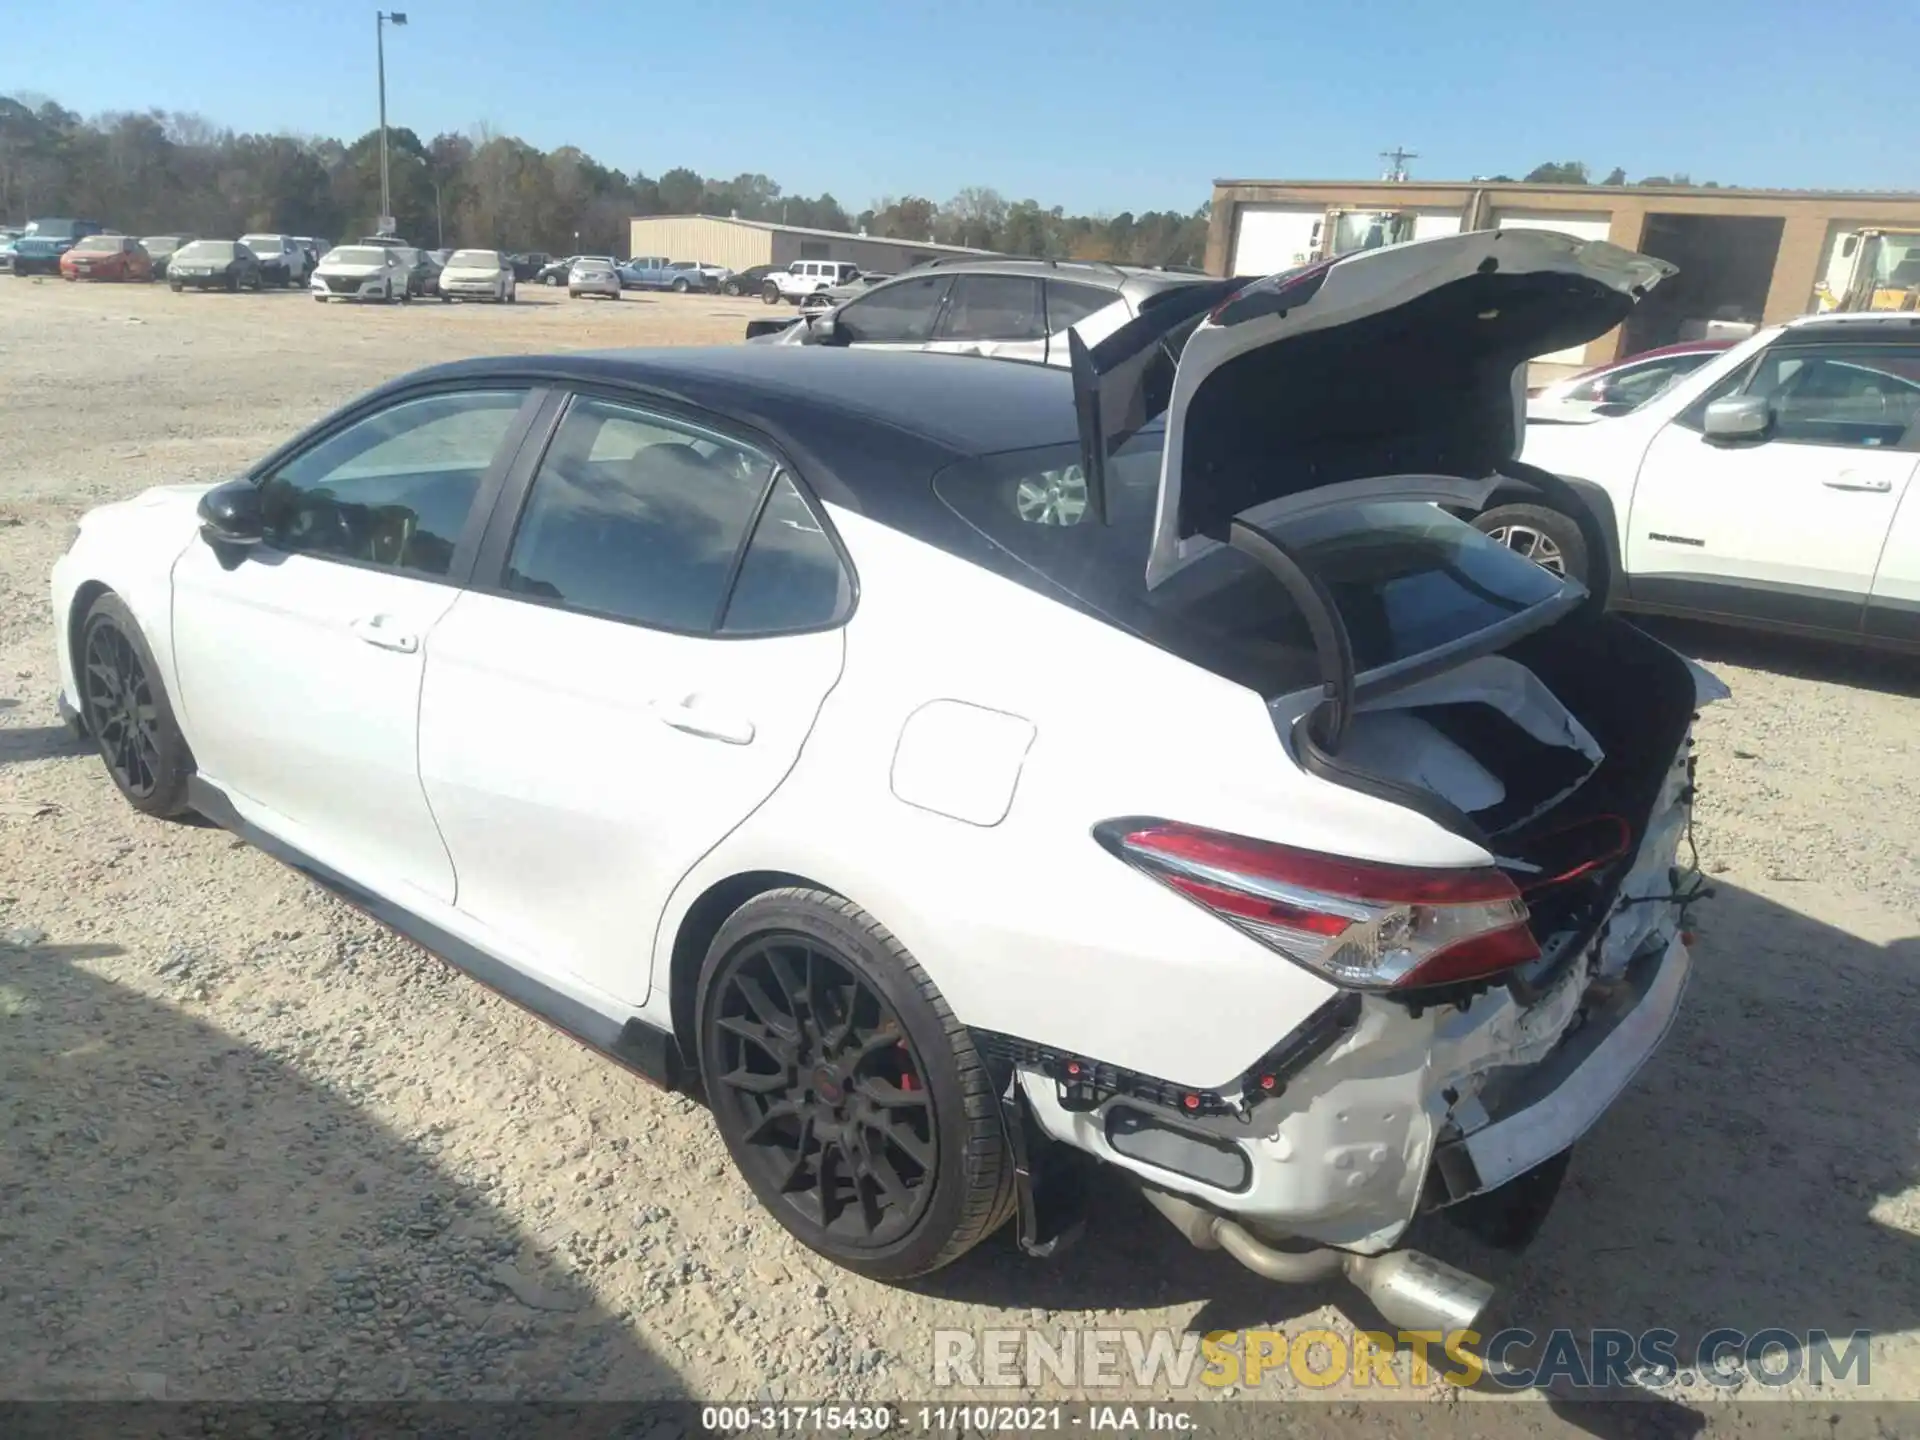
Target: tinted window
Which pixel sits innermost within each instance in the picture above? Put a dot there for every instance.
(898, 314)
(1069, 304)
(1406, 577)
(994, 307)
(791, 577)
(635, 517)
(1863, 396)
(395, 488)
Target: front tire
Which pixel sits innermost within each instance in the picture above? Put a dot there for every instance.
(770, 294)
(551, 280)
(680, 287)
(1547, 537)
(128, 713)
(848, 1094)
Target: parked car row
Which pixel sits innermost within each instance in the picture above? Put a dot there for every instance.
(643, 272)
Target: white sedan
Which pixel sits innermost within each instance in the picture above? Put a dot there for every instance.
(1260, 835)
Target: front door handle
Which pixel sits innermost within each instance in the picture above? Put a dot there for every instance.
(694, 718)
(384, 631)
(1854, 480)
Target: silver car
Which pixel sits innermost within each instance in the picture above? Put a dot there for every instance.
(1009, 309)
(594, 276)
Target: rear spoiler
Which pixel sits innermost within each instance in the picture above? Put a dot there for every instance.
(1125, 382)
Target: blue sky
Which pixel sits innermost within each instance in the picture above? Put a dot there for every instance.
(1127, 104)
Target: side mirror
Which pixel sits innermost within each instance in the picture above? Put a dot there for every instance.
(230, 514)
(1739, 417)
(823, 329)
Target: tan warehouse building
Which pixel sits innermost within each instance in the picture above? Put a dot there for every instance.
(1744, 256)
(742, 244)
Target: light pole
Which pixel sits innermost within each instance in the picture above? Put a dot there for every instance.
(381, 18)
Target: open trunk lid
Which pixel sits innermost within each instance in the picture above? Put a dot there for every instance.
(1391, 373)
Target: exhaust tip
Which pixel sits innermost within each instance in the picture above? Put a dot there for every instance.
(1417, 1292)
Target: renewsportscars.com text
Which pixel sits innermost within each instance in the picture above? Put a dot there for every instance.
(1318, 1358)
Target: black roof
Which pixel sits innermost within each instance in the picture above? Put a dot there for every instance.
(964, 406)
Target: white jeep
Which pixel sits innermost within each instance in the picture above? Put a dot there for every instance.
(803, 278)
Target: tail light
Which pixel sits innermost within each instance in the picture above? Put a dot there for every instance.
(1358, 923)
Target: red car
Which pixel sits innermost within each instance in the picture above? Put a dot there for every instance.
(107, 257)
(1619, 383)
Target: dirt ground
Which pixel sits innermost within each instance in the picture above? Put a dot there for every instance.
(253, 1146)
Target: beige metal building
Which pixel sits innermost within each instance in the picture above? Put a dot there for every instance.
(741, 244)
(1744, 256)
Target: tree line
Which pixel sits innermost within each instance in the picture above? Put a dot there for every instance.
(161, 172)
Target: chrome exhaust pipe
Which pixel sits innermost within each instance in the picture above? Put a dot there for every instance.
(1410, 1289)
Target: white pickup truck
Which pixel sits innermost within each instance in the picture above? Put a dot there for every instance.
(1773, 487)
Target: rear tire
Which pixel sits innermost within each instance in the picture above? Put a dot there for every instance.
(551, 280)
(893, 1161)
(128, 713)
(1550, 539)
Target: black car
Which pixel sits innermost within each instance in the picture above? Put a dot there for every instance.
(162, 248)
(554, 272)
(748, 281)
(213, 265)
(530, 264)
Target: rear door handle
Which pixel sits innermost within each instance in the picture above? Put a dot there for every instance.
(1854, 480)
(694, 718)
(384, 631)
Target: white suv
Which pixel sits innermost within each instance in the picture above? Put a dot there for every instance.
(803, 277)
(1770, 487)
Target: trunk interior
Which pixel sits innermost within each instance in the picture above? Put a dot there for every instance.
(1563, 786)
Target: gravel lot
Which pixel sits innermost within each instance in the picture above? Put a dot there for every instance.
(253, 1146)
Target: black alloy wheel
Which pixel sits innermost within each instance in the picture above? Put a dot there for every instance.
(850, 1098)
(128, 714)
(820, 1076)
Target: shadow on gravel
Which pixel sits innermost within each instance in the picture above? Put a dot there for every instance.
(39, 742)
(1734, 1184)
(183, 1216)
(1792, 655)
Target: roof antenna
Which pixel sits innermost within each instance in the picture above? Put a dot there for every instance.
(1396, 162)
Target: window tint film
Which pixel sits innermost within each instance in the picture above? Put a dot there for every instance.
(898, 314)
(1069, 304)
(791, 577)
(395, 488)
(994, 307)
(635, 517)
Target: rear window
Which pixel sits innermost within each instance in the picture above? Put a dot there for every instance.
(474, 259)
(98, 245)
(1406, 577)
(221, 250)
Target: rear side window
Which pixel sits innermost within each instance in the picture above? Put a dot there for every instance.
(994, 307)
(791, 577)
(898, 314)
(635, 517)
(1069, 304)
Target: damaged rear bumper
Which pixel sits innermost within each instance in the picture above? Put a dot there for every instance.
(1545, 1108)
(1384, 1124)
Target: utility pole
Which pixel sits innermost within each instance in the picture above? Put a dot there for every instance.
(381, 18)
(1396, 160)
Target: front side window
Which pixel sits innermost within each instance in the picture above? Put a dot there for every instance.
(1865, 396)
(395, 488)
(1633, 386)
(994, 307)
(636, 517)
(898, 314)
